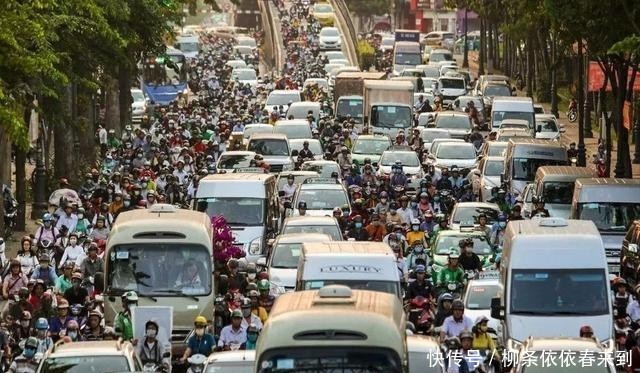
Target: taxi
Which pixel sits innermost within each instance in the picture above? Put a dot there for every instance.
(477, 297)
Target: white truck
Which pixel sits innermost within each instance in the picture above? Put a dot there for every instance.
(388, 106)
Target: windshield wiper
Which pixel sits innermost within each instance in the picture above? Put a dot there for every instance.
(177, 292)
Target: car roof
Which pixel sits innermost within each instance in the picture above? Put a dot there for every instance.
(321, 162)
(310, 220)
(373, 137)
(237, 152)
(268, 135)
(483, 282)
(284, 174)
(302, 237)
(477, 204)
(327, 186)
(494, 158)
(113, 348)
(292, 122)
(451, 114)
(563, 344)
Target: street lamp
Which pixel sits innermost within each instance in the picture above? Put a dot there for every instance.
(40, 183)
(465, 57)
(582, 158)
(554, 79)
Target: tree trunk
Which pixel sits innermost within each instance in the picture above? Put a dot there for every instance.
(482, 47)
(5, 157)
(125, 100)
(21, 189)
(489, 49)
(112, 111)
(64, 159)
(86, 117)
(530, 67)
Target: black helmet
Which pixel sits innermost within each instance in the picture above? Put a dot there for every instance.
(457, 305)
(302, 205)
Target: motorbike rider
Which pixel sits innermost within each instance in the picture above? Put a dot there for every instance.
(253, 333)
(469, 362)
(376, 228)
(572, 152)
(586, 331)
(403, 272)
(417, 256)
(68, 219)
(482, 341)
(383, 203)
(150, 350)
(234, 334)
(452, 273)
(45, 272)
(469, 261)
(46, 232)
(42, 335)
(58, 323)
(73, 251)
(415, 234)
(26, 362)
(421, 286)
(456, 323)
(396, 238)
(620, 297)
(443, 310)
(256, 309)
(248, 317)
(265, 300)
(122, 322)
(302, 208)
(305, 153)
(483, 226)
(498, 229)
(290, 187)
(357, 231)
(633, 309)
(538, 208)
(200, 342)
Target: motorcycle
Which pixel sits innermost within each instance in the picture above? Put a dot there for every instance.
(155, 367)
(454, 288)
(601, 167)
(10, 211)
(421, 315)
(572, 115)
(196, 362)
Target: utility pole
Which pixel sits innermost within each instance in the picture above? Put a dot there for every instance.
(554, 79)
(582, 159)
(465, 58)
(588, 132)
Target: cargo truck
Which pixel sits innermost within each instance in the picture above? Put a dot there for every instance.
(387, 106)
(347, 93)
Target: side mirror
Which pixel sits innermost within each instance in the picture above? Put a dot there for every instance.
(262, 262)
(633, 248)
(281, 193)
(287, 205)
(502, 178)
(497, 310)
(539, 128)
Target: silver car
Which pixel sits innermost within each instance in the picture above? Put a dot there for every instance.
(491, 168)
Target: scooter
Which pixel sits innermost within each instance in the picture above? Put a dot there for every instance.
(420, 314)
(196, 362)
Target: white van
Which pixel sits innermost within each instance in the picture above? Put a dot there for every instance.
(359, 265)
(248, 202)
(189, 45)
(612, 205)
(512, 108)
(524, 156)
(555, 185)
(555, 280)
(301, 109)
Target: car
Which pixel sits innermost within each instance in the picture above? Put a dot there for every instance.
(321, 82)
(629, 257)
(439, 38)
(242, 50)
(493, 148)
(369, 146)
(460, 104)
(91, 356)
(491, 90)
(324, 13)
(548, 128)
(335, 55)
(323, 168)
(451, 87)
(458, 124)
(245, 75)
(430, 71)
(301, 109)
(138, 106)
(234, 64)
(446, 241)
(321, 196)
(447, 154)
(314, 146)
(246, 41)
(331, 66)
(427, 120)
(274, 147)
(281, 97)
(333, 73)
(491, 168)
(563, 355)
(239, 361)
(514, 124)
(284, 255)
(415, 72)
(329, 38)
(538, 109)
(483, 80)
(234, 159)
(507, 134)
(477, 298)
(313, 224)
(294, 128)
(428, 84)
(387, 43)
(252, 128)
(438, 55)
(430, 134)
(437, 141)
(411, 165)
(466, 213)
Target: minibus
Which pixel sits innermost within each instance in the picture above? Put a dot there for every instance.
(524, 156)
(554, 184)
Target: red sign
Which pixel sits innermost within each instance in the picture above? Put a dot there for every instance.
(627, 114)
(596, 79)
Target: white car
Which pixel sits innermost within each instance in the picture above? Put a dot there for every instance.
(466, 214)
(548, 128)
(477, 299)
(458, 124)
(447, 154)
(490, 168)
(245, 76)
(387, 43)
(335, 55)
(234, 64)
(321, 197)
(452, 88)
(430, 134)
(138, 106)
(294, 128)
(233, 159)
(281, 97)
(313, 224)
(411, 165)
(329, 38)
(246, 41)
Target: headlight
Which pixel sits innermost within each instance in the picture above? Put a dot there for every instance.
(255, 247)
(287, 167)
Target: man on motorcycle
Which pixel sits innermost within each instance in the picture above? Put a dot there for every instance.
(357, 231)
(456, 323)
(421, 287)
(233, 336)
(444, 308)
(417, 255)
(452, 274)
(498, 229)
(305, 153)
(26, 363)
(200, 342)
(572, 152)
(150, 350)
(122, 322)
(539, 210)
(46, 232)
(469, 261)
(290, 187)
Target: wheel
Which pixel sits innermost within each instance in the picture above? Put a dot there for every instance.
(573, 116)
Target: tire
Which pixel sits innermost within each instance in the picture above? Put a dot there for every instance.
(573, 116)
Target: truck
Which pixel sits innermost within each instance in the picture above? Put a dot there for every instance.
(347, 93)
(388, 106)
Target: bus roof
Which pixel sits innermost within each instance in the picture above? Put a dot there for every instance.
(300, 319)
(594, 190)
(346, 247)
(161, 222)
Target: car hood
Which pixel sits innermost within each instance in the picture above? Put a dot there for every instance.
(285, 277)
(453, 91)
(329, 38)
(277, 159)
(252, 82)
(547, 135)
(457, 162)
(521, 327)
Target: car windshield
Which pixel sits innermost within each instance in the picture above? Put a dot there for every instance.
(499, 116)
(160, 269)
(323, 8)
(323, 169)
(351, 107)
(330, 230)
(456, 151)
(453, 122)
(390, 287)
(439, 57)
(323, 199)
(547, 126)
(548, 292)
(525, 168)
(479, 296)
(187, 47)
(331, 32)
(83, 364)
(560, 192)
(467, 214)
(429, 136)
(514, 126)
(286, 255)
(231, 161)
(494, 168)
(408, 159)
(388, 42)
(282, 98)
(314, 146)
(539, 363)
(370, 146)
(297, 179)
(496, 149)
(391, 116)
(464, 101)
(496, 90)
(452, 83)
(412, 59)
(248, 74)
(445, 243)
(294, 131)
(609, 217)
(236, 211)
(137, 96)
(269, 147)
(431, 72)
(248, 131)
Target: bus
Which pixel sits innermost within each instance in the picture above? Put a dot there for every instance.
(165, 76)
(334, 328)
(148, 252)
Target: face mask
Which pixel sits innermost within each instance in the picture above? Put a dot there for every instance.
(383, 200)
(414, 204)
(418, 249)
(144, 185)
(199, 332)
(415, 228)
(251, 276)
(151, 333)
(72, 241)
(399, 236)
(29, 353)
(137, 192)
(139, 155)
(81, 216)
(246, 312)
(127, 203)
(502, 224)
(252, 337)
(72, 334)
(358, 225)
(118, 199)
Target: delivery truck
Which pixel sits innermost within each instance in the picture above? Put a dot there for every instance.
(387, 106)
(347, 93)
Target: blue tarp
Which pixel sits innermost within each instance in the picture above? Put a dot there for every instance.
(163, 94)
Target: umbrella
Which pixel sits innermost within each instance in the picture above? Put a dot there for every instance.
(69, 195)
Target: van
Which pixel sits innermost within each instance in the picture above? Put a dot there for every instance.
(554, 277)
(147, 252)
(281, 97)
(439, 38)
(189, 45)
(359, 265)
(248, 202)
(334, 328)
(612, 205)
(554, 184)
(300, 110)
(406, 54)
(512, 108)
(423, 354)
(524, 156)
(274, 147)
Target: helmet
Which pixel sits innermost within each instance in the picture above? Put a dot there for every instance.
(457, 305)
(502, 217)
(465, 334)
(252, 286)
(415, 222)
(246, 303)
(453, 254)
(481, 319)
(200, 320)
(41, 324)
(72, 324)
(586, 329)
(130, 296)
(95, 313)
(264, 285)
(444, 297)
(47, 217)
(63, 303)
(302, 205)
(253, 293)
(151, 322)
(31, 342)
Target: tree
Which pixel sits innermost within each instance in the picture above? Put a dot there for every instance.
(368, 8)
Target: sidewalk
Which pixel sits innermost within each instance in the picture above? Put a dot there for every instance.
(571, 129)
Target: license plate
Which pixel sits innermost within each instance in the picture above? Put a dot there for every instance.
(613, 268)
